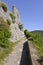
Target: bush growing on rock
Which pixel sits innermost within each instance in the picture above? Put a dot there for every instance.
(4, 6)
(12, 16)
(27, 33)
(5, 44)
(8, 21)
(20, 26)
(4, 33)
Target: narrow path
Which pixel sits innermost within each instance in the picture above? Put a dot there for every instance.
(15, 57)
(34, 54)
(22, 55)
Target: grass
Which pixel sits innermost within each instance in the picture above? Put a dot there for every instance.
(37, 40)
(38, 43)
(6, 46)
(6, 51)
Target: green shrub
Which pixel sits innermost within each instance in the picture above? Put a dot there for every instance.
(5, 44)
(8, 21)
(4, 33)
(27, 33)
(3, 5)
(7, 33)
(1, 35)
(38, 43)
(20, 26)
(12, 16)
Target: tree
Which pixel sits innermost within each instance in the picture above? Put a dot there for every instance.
(20, 26)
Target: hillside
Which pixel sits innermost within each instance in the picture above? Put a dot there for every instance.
(38, 31)
(37, 40)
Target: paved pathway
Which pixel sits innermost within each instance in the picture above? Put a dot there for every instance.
(21, 55)
(15, 57)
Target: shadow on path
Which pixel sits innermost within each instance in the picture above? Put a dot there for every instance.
(26, 58)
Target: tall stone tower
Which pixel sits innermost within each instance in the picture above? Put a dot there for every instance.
(16, 14)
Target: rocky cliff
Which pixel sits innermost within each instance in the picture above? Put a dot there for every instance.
(16, 33)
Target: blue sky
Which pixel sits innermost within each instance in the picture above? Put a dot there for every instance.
(31, 12)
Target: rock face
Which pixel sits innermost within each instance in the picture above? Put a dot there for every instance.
(16, 14)
(17, 34)
(3, 14)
